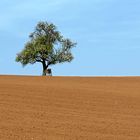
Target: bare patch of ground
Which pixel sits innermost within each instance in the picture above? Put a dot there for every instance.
(69, 108)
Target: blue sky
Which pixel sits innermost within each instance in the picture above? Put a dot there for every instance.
(107, 33)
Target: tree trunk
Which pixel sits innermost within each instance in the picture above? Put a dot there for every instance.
(44, 68)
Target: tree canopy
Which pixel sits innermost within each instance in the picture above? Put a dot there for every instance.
(47, 46)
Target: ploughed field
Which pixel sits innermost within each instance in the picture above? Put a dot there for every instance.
(69, 108)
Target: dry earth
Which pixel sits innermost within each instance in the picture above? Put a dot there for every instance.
(69, 108)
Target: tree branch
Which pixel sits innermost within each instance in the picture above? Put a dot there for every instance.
(38, 60)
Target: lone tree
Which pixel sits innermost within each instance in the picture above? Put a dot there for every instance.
(46, 46)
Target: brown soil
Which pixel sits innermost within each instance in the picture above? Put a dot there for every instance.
(69, 108)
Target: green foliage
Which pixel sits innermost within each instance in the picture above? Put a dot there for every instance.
(42, 47)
